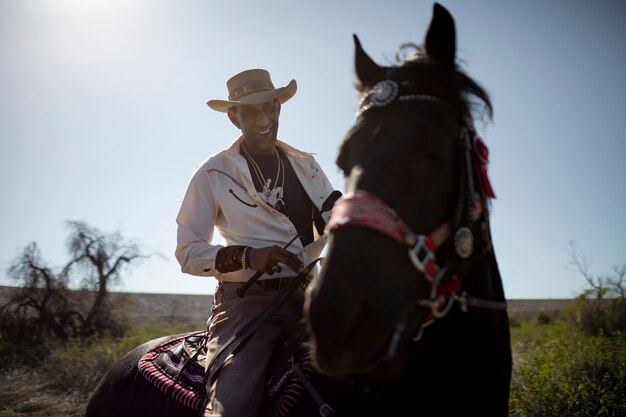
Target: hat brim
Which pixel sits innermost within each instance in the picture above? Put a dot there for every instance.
(281, 94)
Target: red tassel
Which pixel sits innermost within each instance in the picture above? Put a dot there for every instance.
(482, 153)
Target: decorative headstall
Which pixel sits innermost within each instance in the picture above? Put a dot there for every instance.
(361, 208)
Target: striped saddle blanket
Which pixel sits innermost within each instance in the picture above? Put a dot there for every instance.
(176, 368)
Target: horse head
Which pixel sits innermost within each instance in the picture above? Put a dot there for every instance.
(414, 220)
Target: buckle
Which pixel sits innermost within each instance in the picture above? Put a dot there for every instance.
(421, 254)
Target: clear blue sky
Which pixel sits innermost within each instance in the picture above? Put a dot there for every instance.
(103, 116)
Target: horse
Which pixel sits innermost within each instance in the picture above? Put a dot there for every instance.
(410, 293)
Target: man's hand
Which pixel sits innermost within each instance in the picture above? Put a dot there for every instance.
(267, 259)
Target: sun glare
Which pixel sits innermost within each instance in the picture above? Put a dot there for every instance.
(85, 8)
(90, 35)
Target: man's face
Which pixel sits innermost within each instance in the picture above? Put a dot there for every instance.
(258, 124)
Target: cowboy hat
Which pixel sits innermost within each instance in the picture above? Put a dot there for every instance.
(252, 86)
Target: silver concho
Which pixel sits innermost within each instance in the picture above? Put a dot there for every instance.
(383, 93)
(464, 242)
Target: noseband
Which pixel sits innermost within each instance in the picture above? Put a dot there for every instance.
(363, 209)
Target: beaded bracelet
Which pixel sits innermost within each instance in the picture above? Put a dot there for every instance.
(244, 256)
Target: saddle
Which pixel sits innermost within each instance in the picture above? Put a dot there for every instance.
(177, 369)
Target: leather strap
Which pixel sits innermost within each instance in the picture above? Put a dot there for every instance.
(245, 333)
(325, 409)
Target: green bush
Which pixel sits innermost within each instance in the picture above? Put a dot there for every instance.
(597, 316)
(77, 366)
(561, 371)
(543, 317)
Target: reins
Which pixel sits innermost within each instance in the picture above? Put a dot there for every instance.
(246, 332)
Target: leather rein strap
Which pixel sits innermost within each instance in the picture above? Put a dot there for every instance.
(247, 331)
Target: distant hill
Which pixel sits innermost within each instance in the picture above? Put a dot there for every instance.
(525, 309)
(146, 308)
(195, 309)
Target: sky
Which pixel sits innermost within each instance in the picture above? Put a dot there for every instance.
(103, 117)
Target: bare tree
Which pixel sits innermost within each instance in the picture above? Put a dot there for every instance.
(608, 286)
(41, 306)
(99, 259)
(617, 282)
(579, 263)
(602, 306)
(44, 305)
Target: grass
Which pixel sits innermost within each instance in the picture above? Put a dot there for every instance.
(27, 391)
(59, 386)
(558, 371)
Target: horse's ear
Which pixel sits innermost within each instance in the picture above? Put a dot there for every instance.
(441, 36)
(367, 71)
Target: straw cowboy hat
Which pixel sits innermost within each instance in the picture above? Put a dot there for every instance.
(252, 87)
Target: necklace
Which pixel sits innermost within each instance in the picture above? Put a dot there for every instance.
(271, 195)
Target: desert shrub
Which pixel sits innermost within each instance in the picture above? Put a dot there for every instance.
(592, 317)
(570, 311)
(36, 348)
(561, 371)
(595, 317)
(78, 365)
(514, 322)
(618, 315)
(17, 353)
(57, 382)
(543, 317)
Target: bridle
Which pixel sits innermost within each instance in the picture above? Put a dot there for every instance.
(364, 209)
(361, 208)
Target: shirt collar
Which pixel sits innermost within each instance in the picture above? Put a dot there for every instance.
(233, 150)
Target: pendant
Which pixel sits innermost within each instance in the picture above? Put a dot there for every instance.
(464, 242)
(275, 196)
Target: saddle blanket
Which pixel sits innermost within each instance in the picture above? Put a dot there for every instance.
(176, 368)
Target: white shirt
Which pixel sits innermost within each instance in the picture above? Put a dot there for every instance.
(221, 194)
